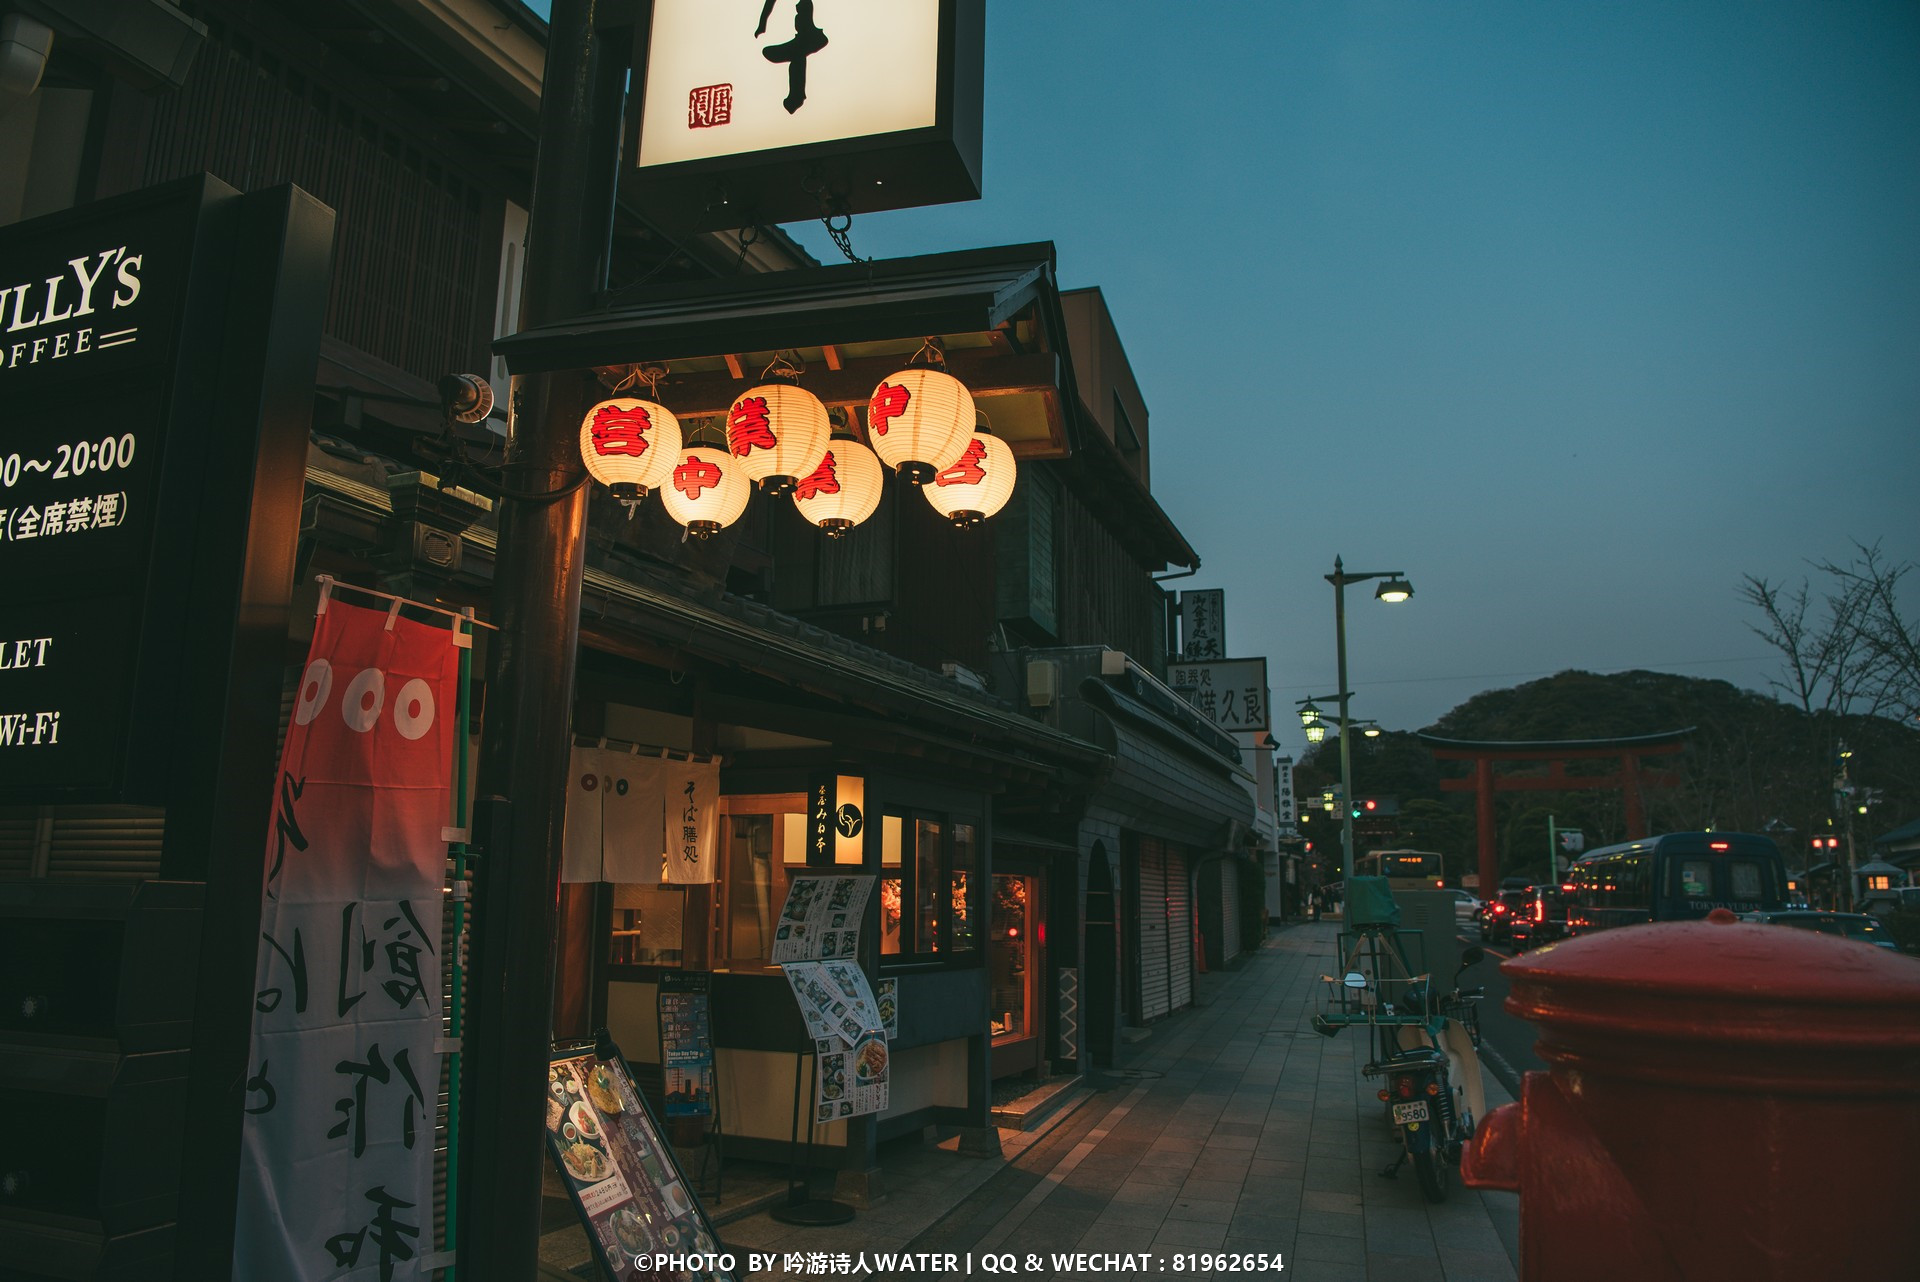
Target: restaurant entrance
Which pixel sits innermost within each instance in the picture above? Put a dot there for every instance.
(1016, 961)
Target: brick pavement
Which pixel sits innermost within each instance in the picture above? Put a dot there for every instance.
(1234, 1128)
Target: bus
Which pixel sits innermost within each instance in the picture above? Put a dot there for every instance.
(1680, 876)
(1403, 869)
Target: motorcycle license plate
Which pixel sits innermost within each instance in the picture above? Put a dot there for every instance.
(1413, 1111)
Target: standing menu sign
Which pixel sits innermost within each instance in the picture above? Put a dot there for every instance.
(815, 944)
(620, 1172)
(336, 1176)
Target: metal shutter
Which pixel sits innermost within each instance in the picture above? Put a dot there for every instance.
(17, 840)
(105, 843)
(1152, 914)
(1179, 933)
(1229, 908)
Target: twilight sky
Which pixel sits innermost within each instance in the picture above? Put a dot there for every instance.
(1574, 312)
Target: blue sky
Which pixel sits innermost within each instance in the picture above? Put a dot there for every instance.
(1573, 311)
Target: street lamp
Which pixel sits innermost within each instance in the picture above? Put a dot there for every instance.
(1393, 589)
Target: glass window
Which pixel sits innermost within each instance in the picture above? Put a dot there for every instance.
(647, 925)
(964, 876)
(1010, 957)
(1746, 879)
(927, 845)
(765, 840)
(892, 885)
(1693, 878)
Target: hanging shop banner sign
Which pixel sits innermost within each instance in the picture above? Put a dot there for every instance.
(1203, 624)
(852, 1071)
(837, 819)
(776, 110)
(616, 817)
(337, 1153)
(1231, 693)
(623, 1178)
(686, 1044)
(821, 918)
(690, 793)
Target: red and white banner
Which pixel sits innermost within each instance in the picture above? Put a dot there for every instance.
(336, 1173)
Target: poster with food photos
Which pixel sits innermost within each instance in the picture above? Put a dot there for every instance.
(887, 993)
(623, 1178)
(852, 1070)
(821, 918)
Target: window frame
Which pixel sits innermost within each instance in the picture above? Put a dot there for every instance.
(944, 955)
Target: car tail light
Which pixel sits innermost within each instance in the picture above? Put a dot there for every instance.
(1405, 1086)
(1383, 1093)
(1433, 1088)
(1539, 911)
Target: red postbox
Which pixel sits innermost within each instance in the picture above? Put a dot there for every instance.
(1724, 1100)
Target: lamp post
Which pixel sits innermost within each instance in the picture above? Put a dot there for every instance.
(1393, 590)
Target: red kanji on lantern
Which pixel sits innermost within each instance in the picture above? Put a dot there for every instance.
(748, 426)
(966, 470)
(889, 401)
(824, 479)
(694, 475)
(618, 430)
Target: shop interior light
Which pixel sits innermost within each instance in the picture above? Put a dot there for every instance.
(778, 430)
(629, 445)
(979, 482)
(920, 421)
(844, 489)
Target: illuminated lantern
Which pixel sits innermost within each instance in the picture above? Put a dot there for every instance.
(778, 432)
(705, 490)
(629, 446)
(920, 421)
(843, 490)
(977, 484)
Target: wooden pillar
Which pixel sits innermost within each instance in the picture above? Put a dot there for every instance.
(1483, 820)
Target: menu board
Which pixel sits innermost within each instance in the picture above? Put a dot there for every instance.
(852, 1066)
(887, 993)
(686, 1044)
(624, 1179)
(821, 918)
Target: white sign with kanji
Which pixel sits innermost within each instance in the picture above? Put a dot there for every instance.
(1231, 693)
(1203, 624)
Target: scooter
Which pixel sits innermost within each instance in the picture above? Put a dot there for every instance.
(1429, 1057)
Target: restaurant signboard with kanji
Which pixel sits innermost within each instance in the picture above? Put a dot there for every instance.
(1231, 693)
(761, 111)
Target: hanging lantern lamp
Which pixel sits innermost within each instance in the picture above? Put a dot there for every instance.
(778, 430)
(978, 483)
(844, 489)
(706, 489)
(921, 419)
(629, 445)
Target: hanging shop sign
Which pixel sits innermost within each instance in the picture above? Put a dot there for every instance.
(768, 111)
(686, 1044)
(337, 1153)
(837, 818)
(691, 798)
(118, 326)
(1232, 693)
(625, 1183)
(1203, 624)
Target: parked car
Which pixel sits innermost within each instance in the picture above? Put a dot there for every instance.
(1466, 908)
(1861, 926)
(1540, 917)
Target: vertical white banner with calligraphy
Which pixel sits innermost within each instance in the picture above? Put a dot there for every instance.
(336, 1173)
(692, 798)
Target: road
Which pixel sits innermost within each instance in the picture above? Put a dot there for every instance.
(1506, 1041)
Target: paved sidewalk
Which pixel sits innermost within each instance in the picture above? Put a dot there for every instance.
(1235, 1128)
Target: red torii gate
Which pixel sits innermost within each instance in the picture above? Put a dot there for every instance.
(1628, 777)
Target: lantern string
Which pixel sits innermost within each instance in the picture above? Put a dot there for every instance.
(930, 348)
(783, 366)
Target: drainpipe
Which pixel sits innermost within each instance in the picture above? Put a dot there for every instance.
(24, 47)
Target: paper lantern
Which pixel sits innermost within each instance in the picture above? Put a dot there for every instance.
(978, 483)
(778, 432)
(706, 490)
(843, 490)
(629, 445)
(920, 421)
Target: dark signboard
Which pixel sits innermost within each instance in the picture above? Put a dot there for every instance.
(821, 106)
(106, 400)
(640, 1213)
(686, 1044)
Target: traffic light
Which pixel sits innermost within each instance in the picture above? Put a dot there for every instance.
(1365, 806)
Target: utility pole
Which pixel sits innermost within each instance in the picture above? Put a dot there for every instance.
(525, 745)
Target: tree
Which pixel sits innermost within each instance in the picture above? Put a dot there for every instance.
(1851, 651)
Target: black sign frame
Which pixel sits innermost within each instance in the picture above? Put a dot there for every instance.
(935, 165)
